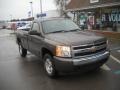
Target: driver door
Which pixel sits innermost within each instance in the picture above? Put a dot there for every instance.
(35, 40)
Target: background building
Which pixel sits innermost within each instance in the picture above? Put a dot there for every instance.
(96, 14)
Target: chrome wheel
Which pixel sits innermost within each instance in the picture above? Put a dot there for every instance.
(48, 66)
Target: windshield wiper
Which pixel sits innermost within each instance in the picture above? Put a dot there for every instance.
(65, 31)
(59, 31)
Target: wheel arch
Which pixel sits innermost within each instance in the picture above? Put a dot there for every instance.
(46, 51)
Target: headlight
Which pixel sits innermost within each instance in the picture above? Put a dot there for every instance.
(63, 51)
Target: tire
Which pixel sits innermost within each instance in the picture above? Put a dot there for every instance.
(22, 51)
(49, 66)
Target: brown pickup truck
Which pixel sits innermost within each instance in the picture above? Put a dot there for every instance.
(62, 46)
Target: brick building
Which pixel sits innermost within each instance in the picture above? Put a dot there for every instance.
(96, 14)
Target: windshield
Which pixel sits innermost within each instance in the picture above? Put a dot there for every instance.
(59, 25)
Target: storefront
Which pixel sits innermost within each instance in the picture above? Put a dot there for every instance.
(110, 19)
(96, 14)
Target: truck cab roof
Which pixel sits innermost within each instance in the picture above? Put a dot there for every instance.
(47, 19)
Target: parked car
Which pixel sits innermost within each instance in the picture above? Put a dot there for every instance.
(25, 27)
(62, 46)
(21, 24)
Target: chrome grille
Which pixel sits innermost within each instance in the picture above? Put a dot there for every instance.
(88, 49)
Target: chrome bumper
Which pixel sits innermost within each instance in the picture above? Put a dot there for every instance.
(90, 59)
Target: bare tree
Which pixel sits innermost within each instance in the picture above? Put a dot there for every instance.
(61, 6)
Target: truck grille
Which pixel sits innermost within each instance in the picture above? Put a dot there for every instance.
(88, 49)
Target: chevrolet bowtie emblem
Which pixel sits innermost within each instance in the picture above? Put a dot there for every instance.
(93, 49)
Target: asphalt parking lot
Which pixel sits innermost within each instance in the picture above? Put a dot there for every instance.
(17, 73)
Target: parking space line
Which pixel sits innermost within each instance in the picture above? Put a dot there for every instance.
(105, 67)
(115, 59)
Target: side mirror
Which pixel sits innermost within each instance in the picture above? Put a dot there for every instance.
(34, 33)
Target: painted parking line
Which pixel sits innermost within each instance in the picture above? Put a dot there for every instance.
(115, 59)
(105, 67)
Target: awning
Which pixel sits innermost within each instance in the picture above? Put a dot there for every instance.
(95, 6)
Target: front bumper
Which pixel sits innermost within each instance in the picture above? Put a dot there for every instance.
(72, 64)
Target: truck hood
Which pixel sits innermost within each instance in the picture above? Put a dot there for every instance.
(75, 38)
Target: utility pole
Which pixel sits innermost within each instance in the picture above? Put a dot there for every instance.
(31, 3)
(41, 7)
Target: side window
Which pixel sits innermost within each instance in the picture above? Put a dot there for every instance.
(35, 27)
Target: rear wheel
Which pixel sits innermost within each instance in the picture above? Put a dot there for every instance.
(22, 51)
(49, 66)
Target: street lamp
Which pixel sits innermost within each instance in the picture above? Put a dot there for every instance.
(31, 3)
(41, 6)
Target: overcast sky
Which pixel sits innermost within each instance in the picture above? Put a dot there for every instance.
(20, 8)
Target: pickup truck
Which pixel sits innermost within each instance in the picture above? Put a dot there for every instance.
(63, 46)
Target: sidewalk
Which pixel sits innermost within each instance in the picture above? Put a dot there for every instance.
(109, 34)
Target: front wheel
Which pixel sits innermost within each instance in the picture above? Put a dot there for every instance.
(22, 51)
(49, 66)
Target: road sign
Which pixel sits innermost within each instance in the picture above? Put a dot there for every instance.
(41, 15)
